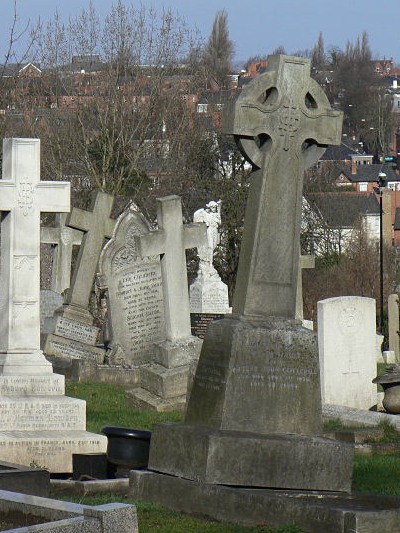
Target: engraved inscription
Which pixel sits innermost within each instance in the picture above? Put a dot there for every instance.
(25, 196)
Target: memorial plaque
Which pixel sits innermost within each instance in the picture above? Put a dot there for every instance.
(135, 297)
(200, 321)
(76, 331)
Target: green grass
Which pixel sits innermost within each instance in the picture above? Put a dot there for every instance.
(378, 474)
(106, 406)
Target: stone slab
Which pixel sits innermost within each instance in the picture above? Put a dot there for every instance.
(351, 416)
(61, 516)
(72, 349)
(49, 302)
(36, 413)
(77, 331)
(165, 382)
(244, 459)
(48, 385)
(143, 399)
(50, 449)
(322, 512)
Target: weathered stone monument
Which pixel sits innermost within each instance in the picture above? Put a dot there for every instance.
(133, 286)
(254, 414)
(208, 294)
(347, 351)
(63, 239)
(164, 382)
(75, 335)
(38, 423)
(306, 261)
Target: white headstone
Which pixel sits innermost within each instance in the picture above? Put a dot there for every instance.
(347, 351)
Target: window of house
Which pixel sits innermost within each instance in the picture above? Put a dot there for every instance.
(363, 187)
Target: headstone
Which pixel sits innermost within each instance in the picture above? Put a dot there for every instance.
(63, 239)
(394, 325)
(208, 294)
(75, 336)
(135, 308)
(254, 414)
(38, 422)
(164, 382)
(347, 351)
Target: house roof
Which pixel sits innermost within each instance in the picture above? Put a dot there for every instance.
(342, 152)
(370, 173)
(343, 209)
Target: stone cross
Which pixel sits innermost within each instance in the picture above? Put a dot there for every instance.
(63, 239)
(282, 122)
(22, 198)
(170, 241)
(97, 226)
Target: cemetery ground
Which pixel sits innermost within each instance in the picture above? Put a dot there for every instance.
(372, 473)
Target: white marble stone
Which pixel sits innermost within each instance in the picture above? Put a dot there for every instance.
(347, 351)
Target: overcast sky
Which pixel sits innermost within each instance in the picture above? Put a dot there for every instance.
(257, 26)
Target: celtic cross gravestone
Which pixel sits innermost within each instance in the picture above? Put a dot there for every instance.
(255, 406)
(282, 124)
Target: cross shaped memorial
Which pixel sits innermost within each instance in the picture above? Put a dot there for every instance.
(164, 382)
(22, 198)
(74, 333)
(97, 227)
(171, 241)
(254, 411)
(283, 124)
(63, 239)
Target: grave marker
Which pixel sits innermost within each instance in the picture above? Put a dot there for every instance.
(347, 351)
(74, 335)
(164, 382)
(38, 422)
(254, 411)
(134, 292)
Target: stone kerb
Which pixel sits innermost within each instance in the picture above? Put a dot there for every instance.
(135, 311)
(347, 351)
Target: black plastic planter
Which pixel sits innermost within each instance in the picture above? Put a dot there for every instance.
(127, 448)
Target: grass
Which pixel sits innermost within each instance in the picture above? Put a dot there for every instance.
(106, 406)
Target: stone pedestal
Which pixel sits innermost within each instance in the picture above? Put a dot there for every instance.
(42, 426)
(271, 364)
(164, 382)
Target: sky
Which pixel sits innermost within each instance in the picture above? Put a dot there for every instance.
(256, 28)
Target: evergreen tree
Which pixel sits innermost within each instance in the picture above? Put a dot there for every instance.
(219, 49)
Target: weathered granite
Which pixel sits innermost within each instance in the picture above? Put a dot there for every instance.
(394, 325)
(254, 411)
